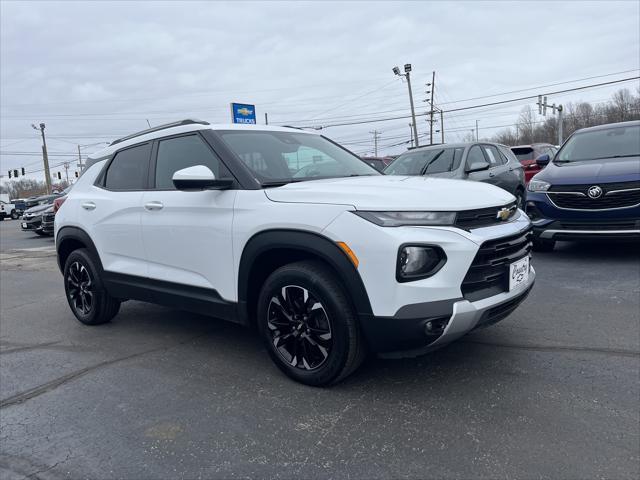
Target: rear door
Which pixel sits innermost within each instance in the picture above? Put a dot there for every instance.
(111, 210)
(187, 234)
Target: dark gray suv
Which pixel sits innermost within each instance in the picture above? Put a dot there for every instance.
(479, 161)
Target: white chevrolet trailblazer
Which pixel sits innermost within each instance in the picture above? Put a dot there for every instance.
(285, 230)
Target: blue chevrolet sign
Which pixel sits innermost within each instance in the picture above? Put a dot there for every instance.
(243, 113)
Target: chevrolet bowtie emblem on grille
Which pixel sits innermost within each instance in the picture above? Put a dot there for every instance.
(503, 213)
(245, 111)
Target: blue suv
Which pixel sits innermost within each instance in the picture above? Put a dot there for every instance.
(591, 189)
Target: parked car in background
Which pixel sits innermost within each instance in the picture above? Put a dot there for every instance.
(8, 210)
(591, 189)
(527, 154)
(21, 205)
(47, 220)
(379, 163)
(32, 217)
(482, 162)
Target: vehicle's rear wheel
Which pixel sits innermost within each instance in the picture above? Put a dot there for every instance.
(543, 245)
(88, 299)
(308, 324)
(14, 215)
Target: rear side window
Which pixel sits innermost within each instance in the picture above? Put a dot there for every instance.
(182, 152)
(129, 169)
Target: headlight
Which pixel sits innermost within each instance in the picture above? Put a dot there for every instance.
(538, 185)
(397, 219)
(419, 261)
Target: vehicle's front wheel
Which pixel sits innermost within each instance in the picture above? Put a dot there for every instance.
(308, 324)
(543, 245)
(15, 215)
(88, 299)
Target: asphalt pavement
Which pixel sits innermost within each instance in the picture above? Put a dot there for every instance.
(551, 392)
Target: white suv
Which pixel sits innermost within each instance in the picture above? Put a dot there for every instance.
(287, 231)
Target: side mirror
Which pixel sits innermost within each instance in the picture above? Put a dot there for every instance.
(198, 177)
(543, 160)
(477, 167)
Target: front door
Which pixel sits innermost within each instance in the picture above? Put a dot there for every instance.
(187, 234)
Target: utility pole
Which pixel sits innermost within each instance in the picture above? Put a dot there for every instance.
(45, 157)
(407, 75)
(476, 130)
(433, 87)
(66, 171)
(375, 134)
(542, 110)
(79, 159)
(266, 118)
(411, 133)
(442, 125)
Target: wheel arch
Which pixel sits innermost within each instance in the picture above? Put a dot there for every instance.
(69, 239)
(268, 250)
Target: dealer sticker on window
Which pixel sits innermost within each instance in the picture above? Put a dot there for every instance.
(518, 273)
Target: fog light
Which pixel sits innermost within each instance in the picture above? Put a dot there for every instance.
(418, 261)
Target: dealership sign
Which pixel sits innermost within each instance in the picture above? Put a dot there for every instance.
(243, 113)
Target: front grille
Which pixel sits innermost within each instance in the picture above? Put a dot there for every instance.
(614, 195)
(488, 274)
(483, 217)
(601, 226)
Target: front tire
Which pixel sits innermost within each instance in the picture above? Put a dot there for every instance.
(14, 215)
(308, 324)
(86, 295)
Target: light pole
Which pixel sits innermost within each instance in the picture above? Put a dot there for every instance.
(407, 75)
(45, 157)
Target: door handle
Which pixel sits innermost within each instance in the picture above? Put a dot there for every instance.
(153, 206)
(89, 206)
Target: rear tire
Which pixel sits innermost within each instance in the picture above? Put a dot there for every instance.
(86, 295)
(308, 324)
(14, 215)
(543, 245)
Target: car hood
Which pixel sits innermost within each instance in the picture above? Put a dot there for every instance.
(592, 171)
(393, 193)
(37, 209)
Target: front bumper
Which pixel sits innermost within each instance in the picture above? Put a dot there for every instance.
(31, 224)
(465, 316)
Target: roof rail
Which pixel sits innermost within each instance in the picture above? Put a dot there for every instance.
(187, 121)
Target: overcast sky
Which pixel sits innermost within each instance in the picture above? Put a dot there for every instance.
(93, 71)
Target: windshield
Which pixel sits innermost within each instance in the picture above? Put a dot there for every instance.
(614, 142)
(523, 153)
(424, 162)
(282, 157)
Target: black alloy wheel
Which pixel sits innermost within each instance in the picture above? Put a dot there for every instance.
(80, 289)
(299, 328)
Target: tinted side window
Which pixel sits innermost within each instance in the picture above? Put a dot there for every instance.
(182, 152)
(493, 157)
(475, 156)
(128, 170)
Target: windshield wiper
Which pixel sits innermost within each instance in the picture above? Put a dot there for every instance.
(618, 156)
(426, 167)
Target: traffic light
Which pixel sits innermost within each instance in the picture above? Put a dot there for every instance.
(15, 173)
(23, 171)
(9, 173)
(77, 174)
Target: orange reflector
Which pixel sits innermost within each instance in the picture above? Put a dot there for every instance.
(352, 256)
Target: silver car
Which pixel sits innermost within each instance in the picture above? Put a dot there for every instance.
(478, 161)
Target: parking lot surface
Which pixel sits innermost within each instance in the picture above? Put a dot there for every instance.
(551, 392)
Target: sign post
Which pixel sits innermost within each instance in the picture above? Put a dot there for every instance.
(243, 113)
